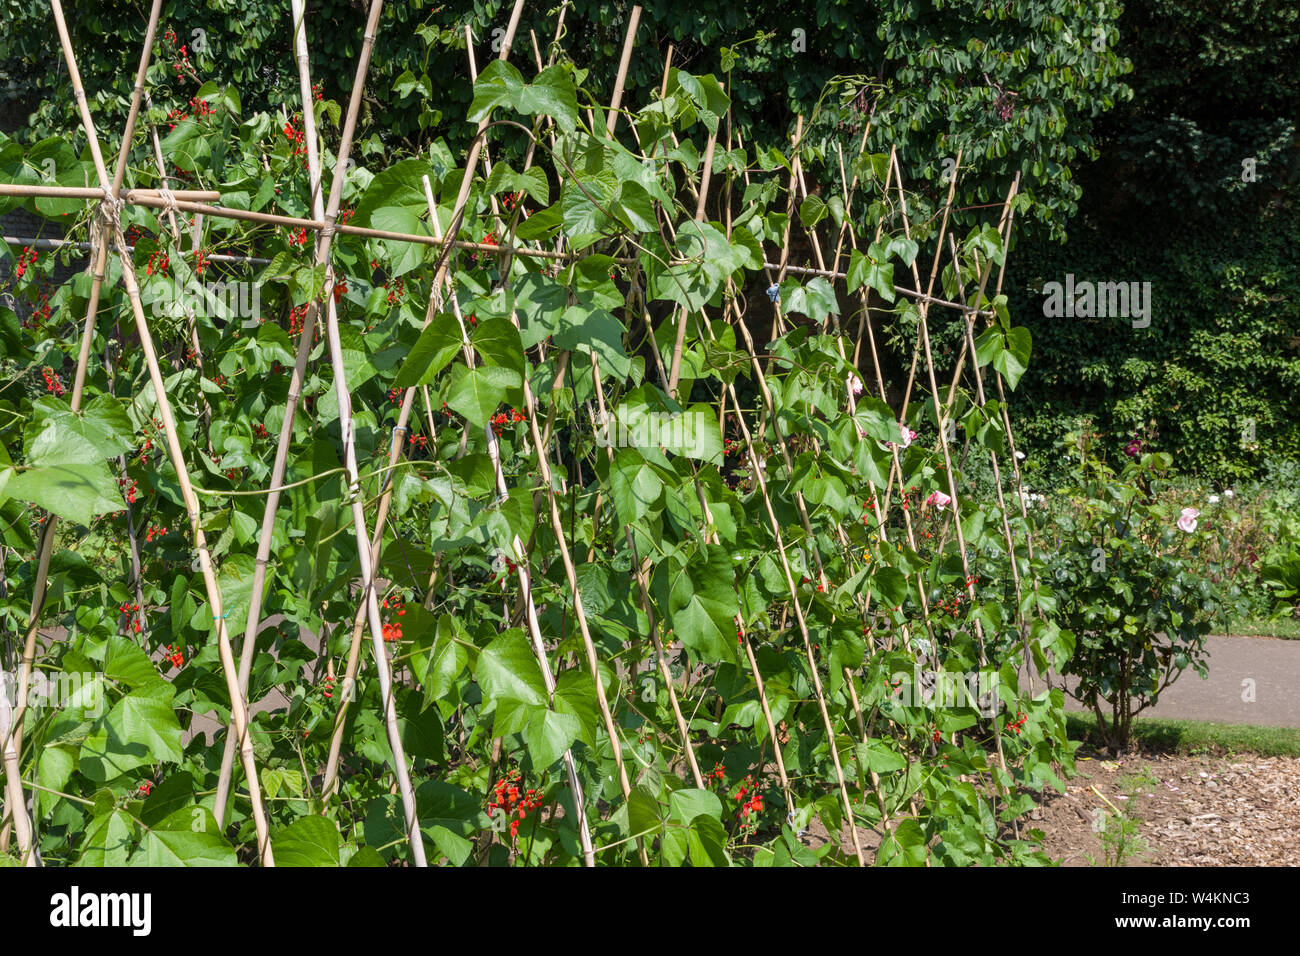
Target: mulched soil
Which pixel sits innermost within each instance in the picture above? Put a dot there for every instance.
(1205, 810)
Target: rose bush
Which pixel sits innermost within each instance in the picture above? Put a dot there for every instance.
(1137, 583)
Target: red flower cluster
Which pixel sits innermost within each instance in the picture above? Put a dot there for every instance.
(259, 430)
(183, 61)
(201, 111)
(395, 294)
(867, 507)
(514, 803)
(175, 655)
(298, 238)
(953, 605)
(501, 419)
(329, 685)
(1018, 725)
(489, 240)
(200, 261)
(511, 568)
(158, 262)
(393, 629)
(751, 803)
(294, 133)
(509, 200)
(340, 289)
(130, 611)
(53, 384)
(40, 312)
(154, 531)
(25, 258)
(297, 316)
(146, 788)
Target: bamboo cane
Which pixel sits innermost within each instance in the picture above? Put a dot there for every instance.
(647, 605)
(408, 403)
(629, 43)
(524, 573)
(345, 421)
(88, 332)
(297, 377)
(305, 341)
(948, 470)
(344, 398)
(169, 426)
(153, 196)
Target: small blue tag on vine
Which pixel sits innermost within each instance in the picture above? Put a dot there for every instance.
(773, 292)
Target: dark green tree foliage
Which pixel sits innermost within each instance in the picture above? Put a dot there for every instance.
(1194, 192)
(1015, 86)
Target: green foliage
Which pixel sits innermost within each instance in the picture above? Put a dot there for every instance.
(1015, 88)
(1195, 193)
(1131, 587)
(661, 488)
(1121, 837)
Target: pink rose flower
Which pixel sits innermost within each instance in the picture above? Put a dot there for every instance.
(938, 499)
(855, 384)
(1187, 520)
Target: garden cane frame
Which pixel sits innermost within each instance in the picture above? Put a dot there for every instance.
(108, 201)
